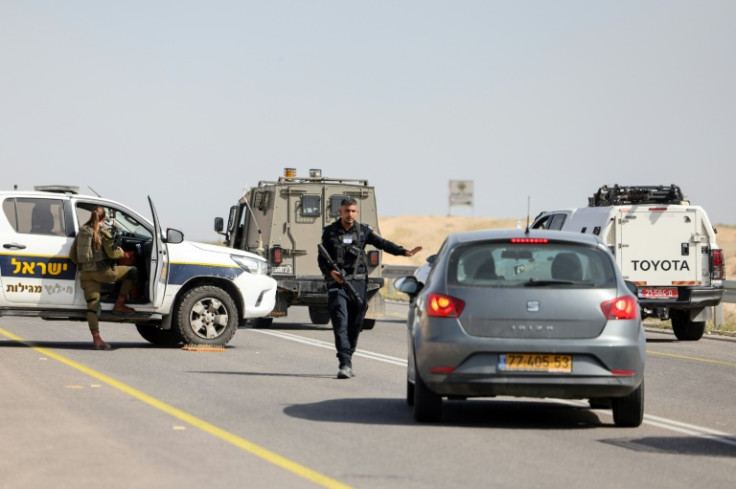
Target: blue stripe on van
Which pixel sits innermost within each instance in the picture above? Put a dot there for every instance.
(180, 273)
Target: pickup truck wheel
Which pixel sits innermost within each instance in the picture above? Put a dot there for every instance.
(207, 315)
(685, 329)
(158, 336)
(629, 411)
(319, 315)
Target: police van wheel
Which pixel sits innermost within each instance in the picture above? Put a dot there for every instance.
(369, 323)
(684, 328)
(319, 315)
(158, 336)
(207, 315)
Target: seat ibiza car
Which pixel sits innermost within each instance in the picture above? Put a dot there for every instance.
(542, 314)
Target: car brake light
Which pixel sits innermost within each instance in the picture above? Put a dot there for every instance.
(444, 306)
(530, 240)
(373, 258)
(277, 255)
(624, 307)
(717, 265)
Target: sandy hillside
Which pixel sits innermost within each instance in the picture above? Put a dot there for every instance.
(430, 231)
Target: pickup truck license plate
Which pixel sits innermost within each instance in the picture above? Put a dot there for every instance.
(658, 293)
(535, 362)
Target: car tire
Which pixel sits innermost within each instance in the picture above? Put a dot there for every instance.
(207, 315)
(409, 393)
(319, 315)
(628, 411)
(684, 328)
(260, 323)
(369, 323)
(427, 404)
(158, 336)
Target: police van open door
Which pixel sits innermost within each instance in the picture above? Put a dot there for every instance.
(159, 262)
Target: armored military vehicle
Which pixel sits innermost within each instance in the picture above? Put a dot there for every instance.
(282, 221)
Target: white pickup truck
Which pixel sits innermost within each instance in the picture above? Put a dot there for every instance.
(664, 245)
(186, 292)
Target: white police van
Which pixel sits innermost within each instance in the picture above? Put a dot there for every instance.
(664, 245)
(186, 292)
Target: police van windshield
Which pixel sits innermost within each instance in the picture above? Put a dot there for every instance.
(123, 221)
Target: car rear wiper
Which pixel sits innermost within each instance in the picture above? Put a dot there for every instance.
(544, 283)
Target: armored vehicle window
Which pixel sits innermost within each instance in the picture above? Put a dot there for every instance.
(335, 201)
(311, 205)
(36, 216)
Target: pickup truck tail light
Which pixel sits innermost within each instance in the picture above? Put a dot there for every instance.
(717, 265)
(373, 258)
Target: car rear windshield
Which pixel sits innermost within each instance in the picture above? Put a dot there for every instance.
(506, 264)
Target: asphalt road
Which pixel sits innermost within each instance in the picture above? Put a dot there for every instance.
(268, 412)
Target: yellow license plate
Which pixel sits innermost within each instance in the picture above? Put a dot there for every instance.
(535, 362)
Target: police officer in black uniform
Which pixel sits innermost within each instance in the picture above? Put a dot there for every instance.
(345, 241)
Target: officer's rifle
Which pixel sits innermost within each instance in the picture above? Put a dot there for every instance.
(348, 286)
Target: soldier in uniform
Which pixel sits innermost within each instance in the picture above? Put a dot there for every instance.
(96, 255)
(345, 241)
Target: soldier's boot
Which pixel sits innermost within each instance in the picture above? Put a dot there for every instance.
(98, 342)
(121, 308)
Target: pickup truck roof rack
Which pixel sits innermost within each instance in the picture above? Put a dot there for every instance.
(623, 195)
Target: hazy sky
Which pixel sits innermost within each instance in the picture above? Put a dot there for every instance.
(191, 101)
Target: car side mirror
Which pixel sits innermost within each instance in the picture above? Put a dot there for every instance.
(408, 285)
(174, 236)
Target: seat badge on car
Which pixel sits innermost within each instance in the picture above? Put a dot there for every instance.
(532, 306)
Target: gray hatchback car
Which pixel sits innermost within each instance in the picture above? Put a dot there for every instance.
(528, 314)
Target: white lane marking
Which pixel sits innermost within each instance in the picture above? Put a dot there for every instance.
(651, 420)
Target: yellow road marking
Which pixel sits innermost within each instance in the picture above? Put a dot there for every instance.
(213, 430)
(683, 357)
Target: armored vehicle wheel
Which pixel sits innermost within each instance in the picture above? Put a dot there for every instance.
(409, 393)
(369, 323)
(158, 336)
(259, 323)
(207, 315)
(319, 315)
(685, 329)
(629, 410)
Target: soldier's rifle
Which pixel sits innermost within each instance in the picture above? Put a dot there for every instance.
(345, 283)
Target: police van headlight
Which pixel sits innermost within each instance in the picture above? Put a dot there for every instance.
(251, 265)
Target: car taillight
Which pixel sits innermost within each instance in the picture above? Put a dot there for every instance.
(277, 255)
(717, 265)
(373, 258)
(444, 306)
(624, 307)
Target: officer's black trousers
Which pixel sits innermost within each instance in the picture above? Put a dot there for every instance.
(347, 319)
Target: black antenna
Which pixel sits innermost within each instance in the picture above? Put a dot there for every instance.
(528, 207)
(95, 191)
